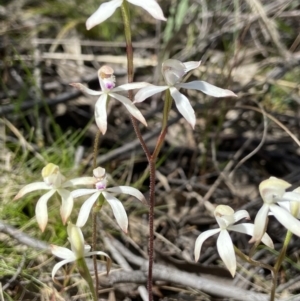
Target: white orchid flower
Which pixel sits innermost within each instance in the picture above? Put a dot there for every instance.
(107, 83)
(272, 191)
(100, 182)
(108, 8)
(173, 72)
(78, 250)
(226, 217)
(291, 202)
(54, 181)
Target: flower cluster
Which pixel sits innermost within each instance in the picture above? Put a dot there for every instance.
(55, 182)
(98, 191)
(284, 206)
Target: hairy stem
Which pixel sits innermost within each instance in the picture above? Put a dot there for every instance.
(94, 220)
(129, 50)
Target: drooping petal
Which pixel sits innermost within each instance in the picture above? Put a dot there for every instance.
(32, 187)
(152, 7)
(240, 214)
(104, 11)
(66, 204)
(81, 192)
(41, 212)
(100, 113)
(118, 210)
(248, 229)
(86, 209)
(286, 219)
(184, 107)
(79, 181)
(260, 223)
(128, 190)
(59, 265)
(130, 86)
(133, 110)
(83, 88)
(207, 89)
(108, 261)
(200, 240)
(226, 251)
(147, 92)
(191, 65)
(62, 252)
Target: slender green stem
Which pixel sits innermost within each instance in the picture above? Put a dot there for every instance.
(161, 138)
(129, 51)
(85, 273)
(281, 256)
(251, 261)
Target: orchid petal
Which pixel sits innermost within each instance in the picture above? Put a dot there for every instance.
(248, 229)
(173, 71)
(96, 253)
(290, 196)
(191, 65)
(77, 240)
(130, 86)
(272, 189)
(108, 262)
(66, 204)
(200, 240)
(224, 222)
(59, 265)
(147, 92)
(87, 249)
(240, 214)
(133, 110)
(286, 219)
(118, 210)
(32, 187)
(41, 213)
(224, 215)
(184, 107)
(152, 7)
(81, 192)
(283, 204)
(100, 113)
(62, 252)
(207, 89)
(260, 223)
(79, 181)
(83, 88)
(104, 11)
(226, 251)
(86, 209)
(128, 190)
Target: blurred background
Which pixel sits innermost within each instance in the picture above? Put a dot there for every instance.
(251, 47)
